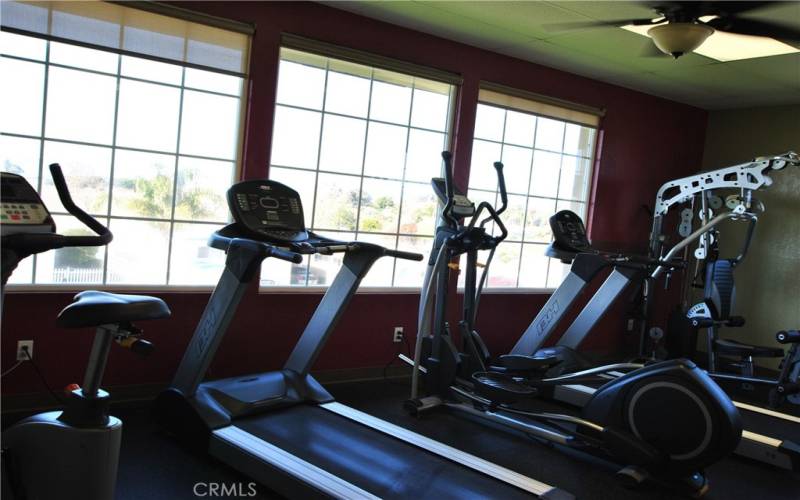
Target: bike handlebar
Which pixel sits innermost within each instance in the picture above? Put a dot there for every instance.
(103, 237)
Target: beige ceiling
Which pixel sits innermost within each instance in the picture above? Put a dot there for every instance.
(608, 54)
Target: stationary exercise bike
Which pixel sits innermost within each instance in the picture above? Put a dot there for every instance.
(666, 421)
(69, 454)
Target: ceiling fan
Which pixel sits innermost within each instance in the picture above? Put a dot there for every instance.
(681, 27)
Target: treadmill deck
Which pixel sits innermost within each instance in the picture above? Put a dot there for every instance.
(377, 463)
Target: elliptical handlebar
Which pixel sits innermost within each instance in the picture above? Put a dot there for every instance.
(501, 183)
(103, 237)
(494, 214)
(447, 214)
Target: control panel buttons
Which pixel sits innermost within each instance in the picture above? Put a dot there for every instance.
(269, 203)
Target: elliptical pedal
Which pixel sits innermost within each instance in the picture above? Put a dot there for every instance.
(500, 388)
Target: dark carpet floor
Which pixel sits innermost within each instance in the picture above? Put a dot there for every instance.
(154, 467)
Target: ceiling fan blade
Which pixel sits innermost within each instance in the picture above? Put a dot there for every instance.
(718, 7)
(756, 28)
(578, 25)
(707, 8)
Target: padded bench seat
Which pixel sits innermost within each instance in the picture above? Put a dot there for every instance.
(93, 308)
(734, 348)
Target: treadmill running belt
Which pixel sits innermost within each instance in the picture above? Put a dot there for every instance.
(770, 426)
(380, 464)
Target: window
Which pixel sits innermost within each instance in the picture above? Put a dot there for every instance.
(147, 147)
(360, 144)
(547, 166)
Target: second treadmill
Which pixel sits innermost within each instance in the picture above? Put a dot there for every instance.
(282, 427)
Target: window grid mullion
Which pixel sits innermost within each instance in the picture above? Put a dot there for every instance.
(40, 181)
(319, 157)
(113, 161)
(349, 174)
(558, 193)
(128, 148)
(403, 182)
(527, 203)
(364, 156)
(343, 115)
(497, 189)
(175, 175)
(153, 219)
(552, 198)
(119, 75)
(493, 141)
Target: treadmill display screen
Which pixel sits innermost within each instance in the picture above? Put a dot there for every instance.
(268, 209)
(569, 233)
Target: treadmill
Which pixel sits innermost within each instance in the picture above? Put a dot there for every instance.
(282, 428)
(769, 436)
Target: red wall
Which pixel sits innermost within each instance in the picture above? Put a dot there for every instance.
(646, 141)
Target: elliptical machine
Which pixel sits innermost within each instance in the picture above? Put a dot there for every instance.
(665, 421)
(69, 454)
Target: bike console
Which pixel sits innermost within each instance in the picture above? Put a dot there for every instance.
(22, 209)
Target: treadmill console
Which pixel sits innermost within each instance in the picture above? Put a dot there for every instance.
(268, 210)
(569, 236)
(22, 210)
(462, 206)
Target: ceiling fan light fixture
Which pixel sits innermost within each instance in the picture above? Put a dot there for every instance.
(677, 39)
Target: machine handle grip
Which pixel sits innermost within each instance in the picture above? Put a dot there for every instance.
(404, 255)
(735, 321)
(142, 347)
(103, 237)
(447, 158)
(788, 336)
(501, 183)
(286, 255)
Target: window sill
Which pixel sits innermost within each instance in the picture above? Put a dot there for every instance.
(75, 288)
(405, 290)
(513, 291)
(78, 287)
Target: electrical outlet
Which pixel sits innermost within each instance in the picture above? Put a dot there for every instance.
(630, 324)
(21, 344)
(398, 334)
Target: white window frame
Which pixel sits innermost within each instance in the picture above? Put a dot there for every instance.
(107, 216)
(375, 63)
(553, 105)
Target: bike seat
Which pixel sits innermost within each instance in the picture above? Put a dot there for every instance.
(734, 348)
(93, 308)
